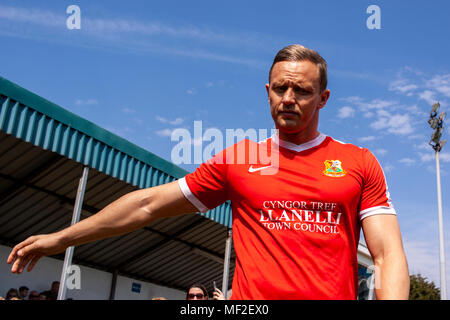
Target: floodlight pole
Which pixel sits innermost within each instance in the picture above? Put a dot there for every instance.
(441, 232)
(437, 123)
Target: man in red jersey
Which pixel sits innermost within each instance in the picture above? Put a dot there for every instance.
(296, 229)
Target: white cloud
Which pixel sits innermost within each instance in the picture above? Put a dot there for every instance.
(164, 132)
(388, 167)
(369, 114)
(346, 112)
(129, 35)
(161, 119)
(407, 161)
(387, 114)
(428, 95)
(381, 151)
(377, 104)
(426, 157)
(191, 91)
(440, 83)
(35, 16)
(443, 156)
(373, 105)
(402, 86)
(81, 102)
(175, 122)
(368, 138)
(411, 82)
(121, 131)
(352, 99)
(138, 121)
(129, 110)
(423, 146)
(397, 124)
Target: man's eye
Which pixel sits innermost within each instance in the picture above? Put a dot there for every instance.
(301, 91)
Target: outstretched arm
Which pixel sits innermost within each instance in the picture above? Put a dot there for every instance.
(383, 239)
(128, 213)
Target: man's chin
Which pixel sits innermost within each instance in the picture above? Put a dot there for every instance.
(288, 128)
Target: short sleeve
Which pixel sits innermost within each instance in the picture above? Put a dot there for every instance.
(375, 197)
(206, 187)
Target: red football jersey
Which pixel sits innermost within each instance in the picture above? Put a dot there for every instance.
(296, 229)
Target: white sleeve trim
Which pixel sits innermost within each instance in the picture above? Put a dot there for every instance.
(376, 210)
(190, 196)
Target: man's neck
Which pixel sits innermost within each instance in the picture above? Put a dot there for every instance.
(299, 137)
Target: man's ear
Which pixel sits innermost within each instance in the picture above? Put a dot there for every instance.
(267, 89)
(324, 98)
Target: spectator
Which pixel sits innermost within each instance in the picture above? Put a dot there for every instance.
(52, 294)
(43, 295)
(12, 294)
(34, 295)
(197, 292)
(23, 292)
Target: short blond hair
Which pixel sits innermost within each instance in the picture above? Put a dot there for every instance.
(296, 52)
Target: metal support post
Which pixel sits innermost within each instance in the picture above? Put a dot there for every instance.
(75, 218)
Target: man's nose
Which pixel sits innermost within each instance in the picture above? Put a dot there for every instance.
(288, 97)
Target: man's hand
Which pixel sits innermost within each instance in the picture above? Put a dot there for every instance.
(218, 295)
(32, 249)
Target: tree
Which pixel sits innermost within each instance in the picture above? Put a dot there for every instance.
(422, 289)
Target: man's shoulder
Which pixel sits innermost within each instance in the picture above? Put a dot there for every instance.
(350, 147)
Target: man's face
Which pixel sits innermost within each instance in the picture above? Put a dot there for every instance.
(23, 293)
(55, 286)
(196, 294)
(295, 97)
(34, 295)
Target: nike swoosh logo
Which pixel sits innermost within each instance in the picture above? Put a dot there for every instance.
(251, 169)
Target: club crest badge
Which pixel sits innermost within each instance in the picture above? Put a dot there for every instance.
(333, 168)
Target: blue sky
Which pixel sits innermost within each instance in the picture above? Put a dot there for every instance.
(142, 69)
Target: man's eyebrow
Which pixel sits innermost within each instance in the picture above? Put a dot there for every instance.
(301, 85)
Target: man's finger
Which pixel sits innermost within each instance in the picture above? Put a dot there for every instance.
(33, 262)
(18, 247)
(25, 262)
(16, 264)
(14, 251)
(22, 255)
(27, 250)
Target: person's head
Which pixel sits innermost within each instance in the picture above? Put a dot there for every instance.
(297, 89)
(34, 295)
(12, 294)
(43, 296)
(23, 292)
(55, 287)
(197, 292)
